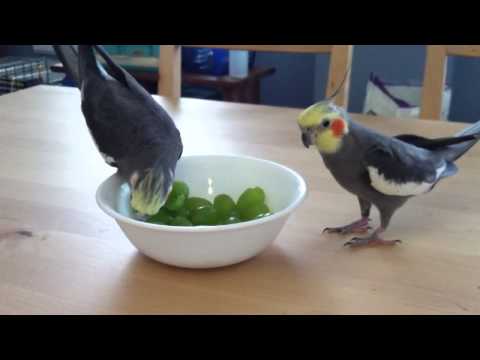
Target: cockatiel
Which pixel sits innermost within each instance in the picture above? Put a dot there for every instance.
(131, 130)
(380, 170)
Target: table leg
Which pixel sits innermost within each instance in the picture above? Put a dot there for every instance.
(252, 91)
(228, 94)
(256, 91)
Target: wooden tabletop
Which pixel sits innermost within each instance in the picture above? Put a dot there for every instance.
(59, 253)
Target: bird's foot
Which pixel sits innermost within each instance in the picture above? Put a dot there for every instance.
(374, 239)
(358, 227)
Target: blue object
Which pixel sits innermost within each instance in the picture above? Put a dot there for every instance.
(220, 62)
(205, 61)
(68, 82)
(194, 60)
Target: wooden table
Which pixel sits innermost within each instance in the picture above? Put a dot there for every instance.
(78, 261)
(232, 89)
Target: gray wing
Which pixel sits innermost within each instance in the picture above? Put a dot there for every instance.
(121, 115)
(400, 169)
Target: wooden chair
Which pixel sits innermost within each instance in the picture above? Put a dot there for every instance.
(170, 73)
(435, 72)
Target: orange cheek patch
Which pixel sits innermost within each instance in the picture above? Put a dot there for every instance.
(338, 127)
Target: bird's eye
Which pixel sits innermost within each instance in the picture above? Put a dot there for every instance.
(326, 123)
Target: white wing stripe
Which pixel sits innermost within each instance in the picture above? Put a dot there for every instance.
(389, 187)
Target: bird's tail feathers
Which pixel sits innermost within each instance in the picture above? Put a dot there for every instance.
(473, 129)
(454, 152)
(88, 62)
(68, 56)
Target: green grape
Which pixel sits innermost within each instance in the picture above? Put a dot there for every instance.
(224, 205)
(175, 203)
(180, 221)
(250, 197)
(206, 215)
(183, 212)
(194, 203)
(163, 217)
(232, 220)
(234, 213)
(254, 212)
(179, 187)
(177, 196)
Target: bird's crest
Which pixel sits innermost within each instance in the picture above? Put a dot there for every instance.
(314, 114)
(340, 87)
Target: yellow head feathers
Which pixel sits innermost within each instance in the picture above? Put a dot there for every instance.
(327, 143)
(147, 196)
(322, 124)
(313, 115)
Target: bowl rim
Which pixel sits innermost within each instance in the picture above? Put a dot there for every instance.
(202, 229)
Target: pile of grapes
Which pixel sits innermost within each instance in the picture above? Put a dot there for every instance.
(182, 210)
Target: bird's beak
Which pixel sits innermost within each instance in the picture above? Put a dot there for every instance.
(306, 139)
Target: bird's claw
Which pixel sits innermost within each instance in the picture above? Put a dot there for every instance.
(331, 230)
(358, 227)
(345, 231)
(356, 242)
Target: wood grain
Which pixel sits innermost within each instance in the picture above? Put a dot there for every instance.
(433, 82)
(340, 66)
(78, 261)
(170, 72)
(463, 50)
(435, 74)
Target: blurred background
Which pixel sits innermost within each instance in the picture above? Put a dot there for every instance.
(279, 79)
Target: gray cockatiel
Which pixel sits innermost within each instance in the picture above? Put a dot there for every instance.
(380, 170)
(131, 130)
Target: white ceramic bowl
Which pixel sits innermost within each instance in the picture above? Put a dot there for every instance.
(210, 246)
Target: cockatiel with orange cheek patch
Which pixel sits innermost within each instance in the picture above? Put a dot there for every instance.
(380, 170)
